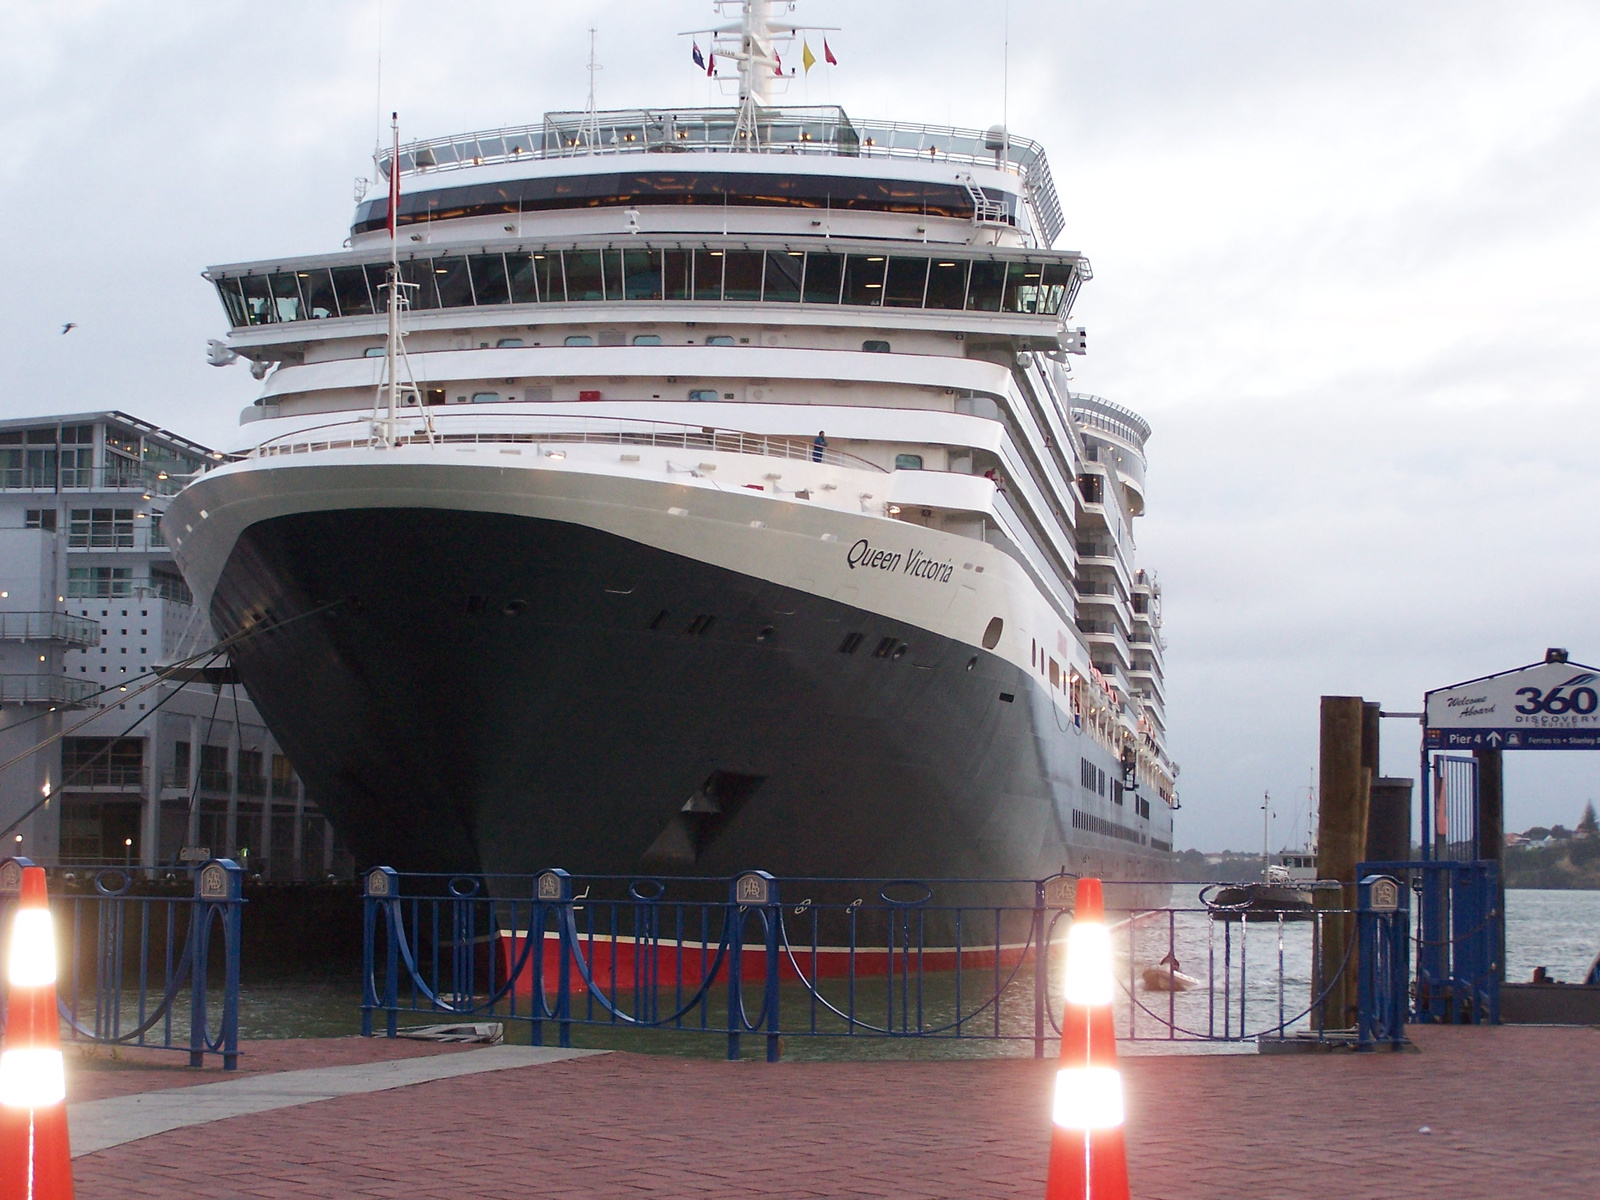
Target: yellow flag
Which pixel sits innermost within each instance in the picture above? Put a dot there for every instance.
(808, 58)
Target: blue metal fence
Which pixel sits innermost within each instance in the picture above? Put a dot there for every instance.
(814, 958)
(132, 961)
(1458, 926)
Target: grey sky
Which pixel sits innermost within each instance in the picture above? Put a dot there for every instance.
(1347, 262)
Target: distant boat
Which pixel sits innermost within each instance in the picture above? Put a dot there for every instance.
(1286, 892)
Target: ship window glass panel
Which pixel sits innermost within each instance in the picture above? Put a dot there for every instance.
(454, 283)
(1053, 283)
(232, 301)
(350, 286)
(985, 287)
(908, 462)
(675, 272)
(708, 275)
(378, 285)
(611, 270)
(1022, 288)
(741, 274)
(703, 395)
(579, 339)
(425, 293)
(375, 352)
(508, 343)
(583, 275)
(257, 299)
(642, 275)
(489, 279)
(908, 279)
(863, 279)
(486, 397)
(519, 278)
(647, 339)
(316, 286)
(784, 273)
(721, 339)
(947, 285)
(101, 582)
(547, 274)
(824, 274)
(875, 346)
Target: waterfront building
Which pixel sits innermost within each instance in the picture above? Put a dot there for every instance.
(91, 604)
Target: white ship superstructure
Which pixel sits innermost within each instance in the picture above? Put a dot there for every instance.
(735, 510)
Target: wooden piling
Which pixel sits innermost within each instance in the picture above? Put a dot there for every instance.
(1345, 782)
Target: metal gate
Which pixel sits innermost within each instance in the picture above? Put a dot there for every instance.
(1458, 932)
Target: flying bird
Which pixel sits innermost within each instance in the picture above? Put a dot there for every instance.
(68, 327)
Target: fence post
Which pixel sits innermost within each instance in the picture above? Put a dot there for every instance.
(218, 887)
(1039, 969)
(774, 914)
(749, 890)
(553, 888)
(1383, 927)
(381, 886)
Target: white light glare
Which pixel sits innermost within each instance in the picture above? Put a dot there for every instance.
(32, 961)
(32, 1078)
(1088, 1098)
(1088, 964)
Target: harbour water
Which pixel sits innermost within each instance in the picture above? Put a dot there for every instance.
(1556, 930)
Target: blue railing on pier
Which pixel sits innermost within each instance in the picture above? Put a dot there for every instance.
(135, 965)
(753, 955)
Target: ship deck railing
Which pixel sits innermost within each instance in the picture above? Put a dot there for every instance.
(539, 431)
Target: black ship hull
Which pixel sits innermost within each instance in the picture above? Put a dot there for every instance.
(471, 691)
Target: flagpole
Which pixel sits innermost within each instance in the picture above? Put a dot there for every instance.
(391, 358)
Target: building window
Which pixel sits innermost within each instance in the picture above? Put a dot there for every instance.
(101, 529)
(99, 581)
(42, 518)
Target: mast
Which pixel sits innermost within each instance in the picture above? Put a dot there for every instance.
(1266, 837)
(391, 350)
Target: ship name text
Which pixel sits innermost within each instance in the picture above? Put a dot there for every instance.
(914, 563)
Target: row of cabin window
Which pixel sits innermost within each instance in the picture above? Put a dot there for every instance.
(555, 277)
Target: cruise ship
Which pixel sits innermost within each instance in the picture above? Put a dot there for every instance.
(684, 491)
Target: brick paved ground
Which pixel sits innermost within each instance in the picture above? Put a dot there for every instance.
(1511, 1112)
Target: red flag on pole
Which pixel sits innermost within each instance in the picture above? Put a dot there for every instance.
(827, 54)
(394, 181)
(711, 64)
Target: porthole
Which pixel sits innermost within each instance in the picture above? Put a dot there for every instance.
(991, 635)
(766, 634)
(972, 663)
(514, 608)
(899, 652)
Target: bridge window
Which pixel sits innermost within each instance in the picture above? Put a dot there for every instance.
(647, 339)
(908, 281)
(703, 395)
(908, 462)
(824, 274)
(784, 273)
(720, 339)
(863, 279)
(485, 397)
(579, 339)
(1033, 288)
(489, 279)
(875, 346)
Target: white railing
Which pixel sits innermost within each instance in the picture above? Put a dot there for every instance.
(44, 689)
(48, 627)
(540, 431)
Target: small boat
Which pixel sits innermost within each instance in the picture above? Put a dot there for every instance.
(1165, 977)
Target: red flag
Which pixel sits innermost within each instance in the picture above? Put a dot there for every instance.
(827, 54)
(394, 181)
(711, 64)
(777, 58)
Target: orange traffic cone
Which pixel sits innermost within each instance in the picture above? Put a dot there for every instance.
(1088, 1160)
(35, 1157)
